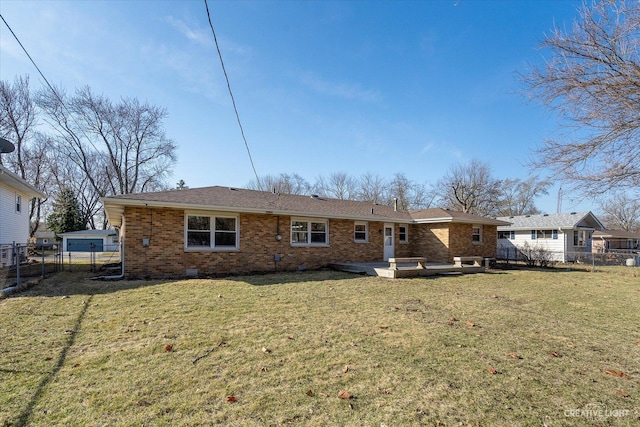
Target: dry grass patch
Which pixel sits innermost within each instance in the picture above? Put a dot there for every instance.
(516, 347)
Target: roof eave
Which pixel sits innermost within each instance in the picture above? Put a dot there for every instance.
(115, 207)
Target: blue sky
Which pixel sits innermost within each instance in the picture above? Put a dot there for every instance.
(321, 86)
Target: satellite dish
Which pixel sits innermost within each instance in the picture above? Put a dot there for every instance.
(6, 146)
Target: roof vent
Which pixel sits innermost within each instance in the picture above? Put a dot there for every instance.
(545, 215)
(314, 196)
(233, 189)
(573, 213)
(527, 216)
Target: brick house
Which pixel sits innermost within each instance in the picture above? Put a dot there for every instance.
(221, 230)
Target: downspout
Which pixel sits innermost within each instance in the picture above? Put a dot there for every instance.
(121, 275)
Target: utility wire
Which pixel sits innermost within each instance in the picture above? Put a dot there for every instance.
(233, 101)
(55, 93)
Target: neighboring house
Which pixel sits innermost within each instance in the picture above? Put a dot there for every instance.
(90, 241)
(615, 241)
(15, 194)
(221, 230)
(563, 235)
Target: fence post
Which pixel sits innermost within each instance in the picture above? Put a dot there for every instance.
(15, 257)
(43, 261)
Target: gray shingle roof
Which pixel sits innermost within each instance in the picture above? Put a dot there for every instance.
(551, 221)
(243, 200)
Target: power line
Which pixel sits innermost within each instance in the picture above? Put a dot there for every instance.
(55, 93)
(233, 101)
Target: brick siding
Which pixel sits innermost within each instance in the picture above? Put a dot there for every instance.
(165, 257)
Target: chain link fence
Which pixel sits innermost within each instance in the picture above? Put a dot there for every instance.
(543, 257)
(21, 262)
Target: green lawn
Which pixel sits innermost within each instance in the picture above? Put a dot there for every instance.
(532, 348)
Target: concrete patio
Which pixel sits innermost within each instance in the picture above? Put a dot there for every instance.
(381, 269)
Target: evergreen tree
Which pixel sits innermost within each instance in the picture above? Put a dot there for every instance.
(66, 214)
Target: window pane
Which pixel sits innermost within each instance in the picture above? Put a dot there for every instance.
(361, 227)
(198, 223)
(318, 226)
(226, 224)
(299, 237)
(225, 238)
(298, 226)
(198, 238)
(318, 238)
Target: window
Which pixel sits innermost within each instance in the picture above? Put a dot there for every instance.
(533, 234)
(18, 203)
(211, 232)
(403, 233)
(360, 232)
(579, 238)
(507, 234)
(476, 233)
(554, 234)
(309, 232)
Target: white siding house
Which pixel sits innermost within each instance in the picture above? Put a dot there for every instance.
(562, 235)
(15, 194)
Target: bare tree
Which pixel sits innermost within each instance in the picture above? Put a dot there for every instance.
(408, 194)
(518, 197)
(470, 188)
(371, 188)
(593, 81)
(282, 184)
(67, 175)
(339, 185)
(621, 212)
(18, 121)
(120, 148)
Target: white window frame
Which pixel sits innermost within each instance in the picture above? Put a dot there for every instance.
(18, 203)
(212, 220)
(356, 232)
(479, 234)
(577, 242)
(309, 231)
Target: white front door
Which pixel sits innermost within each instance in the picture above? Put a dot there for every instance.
(389, 243)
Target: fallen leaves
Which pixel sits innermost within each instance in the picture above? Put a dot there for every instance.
(345, 369)
(615, 373)
(514, 356)
(344, 394)
(309, 393)
(266, 350)
(168, 348)
(231, 399)
(470, 324)
(492, 371)
(555, 354)
(622, 393)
